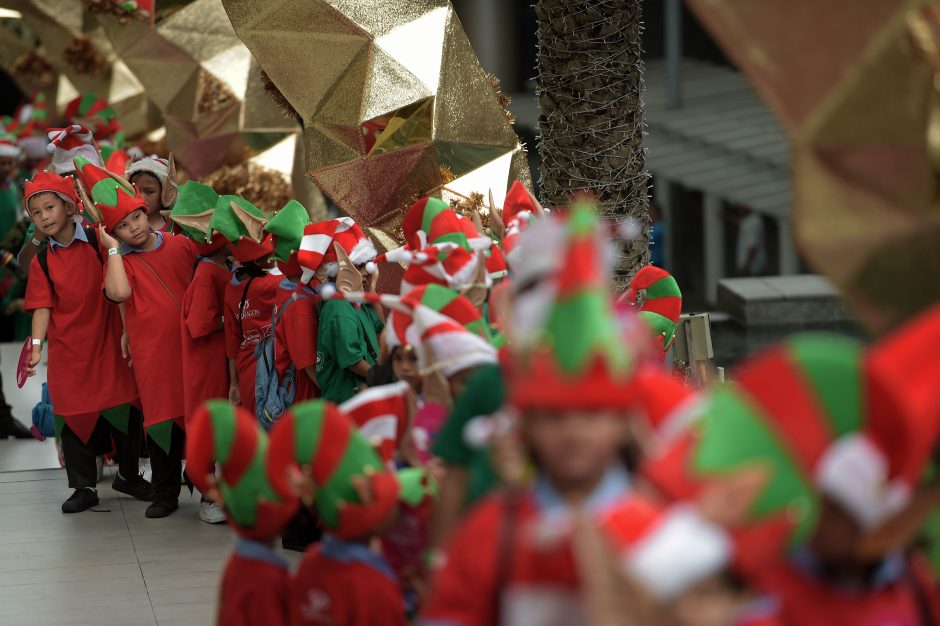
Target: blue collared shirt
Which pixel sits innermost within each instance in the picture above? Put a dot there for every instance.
(127, 249)
(257, 551)
(79, 235)
(354, 552)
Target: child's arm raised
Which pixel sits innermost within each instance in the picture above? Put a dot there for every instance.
(116, 286)
(40, 326)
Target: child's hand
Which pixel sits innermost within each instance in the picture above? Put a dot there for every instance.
(126, 348)
(15, 306)
(34, 358)
(374, 280)
(234, 395)
(106, 240)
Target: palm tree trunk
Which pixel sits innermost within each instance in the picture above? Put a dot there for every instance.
(591, 124)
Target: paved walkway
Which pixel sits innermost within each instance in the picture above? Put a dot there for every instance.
(112, 567)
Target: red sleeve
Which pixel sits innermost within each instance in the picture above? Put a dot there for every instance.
(38, 290)
(204, 311)
(300, 331)
(462, 590)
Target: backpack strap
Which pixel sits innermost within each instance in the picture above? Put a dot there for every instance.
(92, 235)
(240, 314)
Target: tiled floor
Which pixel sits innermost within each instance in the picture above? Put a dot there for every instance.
(112, 567)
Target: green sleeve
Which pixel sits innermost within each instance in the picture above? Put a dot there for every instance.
(483, 396)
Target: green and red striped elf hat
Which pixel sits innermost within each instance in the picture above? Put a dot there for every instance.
(823, 418)
(219, 434)
(316, 437)
(287, 228)
(431, 220)
(354, 242)
(440, 299)
(381, 415)
(94, 112)
(573, 355)
(113, 197)
(662, 304)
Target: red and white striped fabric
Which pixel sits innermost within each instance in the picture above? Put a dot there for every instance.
(477, 240)
(68, 143)
(354, 242)
(381, 414)
(314, 245)
(455, 348)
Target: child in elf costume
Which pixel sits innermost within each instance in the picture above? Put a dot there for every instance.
(255, 588)
(847, 433)
(83, 331)
(299, 247)
(572, 382)
(250, 295)
(205, 366)
(10, 200)
(317, 452)
(347, 341)
(156, 180)
(149, 273)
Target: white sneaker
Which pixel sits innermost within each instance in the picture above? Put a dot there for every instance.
(99, 465)
(211, 513)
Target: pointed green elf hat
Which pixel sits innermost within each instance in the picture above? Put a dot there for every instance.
(223, 436)
(287, 227)
(576, 358)
(318, 436)
(228, 223)
(193, 210)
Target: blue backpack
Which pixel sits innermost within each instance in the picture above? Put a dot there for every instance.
(274, 393)
(43, 417)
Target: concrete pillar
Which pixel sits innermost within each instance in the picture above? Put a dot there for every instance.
(490, 26)
(789, 260)
(714, 235)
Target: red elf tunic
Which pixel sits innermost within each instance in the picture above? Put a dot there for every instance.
(344, 582)
(295, 338)
(535, 582)
(152, 316)
(205, 369)
(255, 587)
(244, 329)
(86, 372)
(901, 594)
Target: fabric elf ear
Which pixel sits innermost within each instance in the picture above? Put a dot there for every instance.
(169, 186)
(348, 279)
(476, 291)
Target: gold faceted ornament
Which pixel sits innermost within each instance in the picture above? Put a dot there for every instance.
(203, 80)
(392, 99)
(75, 44)
(855, 83)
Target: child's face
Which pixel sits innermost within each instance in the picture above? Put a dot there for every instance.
(150, 190)
(405, 367)
(50, 213)
(7, 167)
(575, 448)
(133, 229)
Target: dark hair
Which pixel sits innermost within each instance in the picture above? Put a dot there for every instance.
(383, 373)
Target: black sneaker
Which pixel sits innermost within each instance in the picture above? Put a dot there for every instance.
(162, 508)
(80, 500)
(136, 487)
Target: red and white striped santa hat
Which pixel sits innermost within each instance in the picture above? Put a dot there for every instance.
(68, 143)
(315, 244)
(381, 414)
(455, 348)
(354, 242)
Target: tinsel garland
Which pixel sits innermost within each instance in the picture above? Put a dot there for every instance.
(263, 187)
(214, 95)
(112, 8)
(279, 98)
(34, 68)
(590, 82)
(501, 97)
(84, 58)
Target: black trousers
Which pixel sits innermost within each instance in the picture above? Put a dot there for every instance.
(167, 467)
(80, 457)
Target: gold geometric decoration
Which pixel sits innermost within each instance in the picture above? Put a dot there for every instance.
(203, 80)
(389, 92)
(74, 42)
(855, 84)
